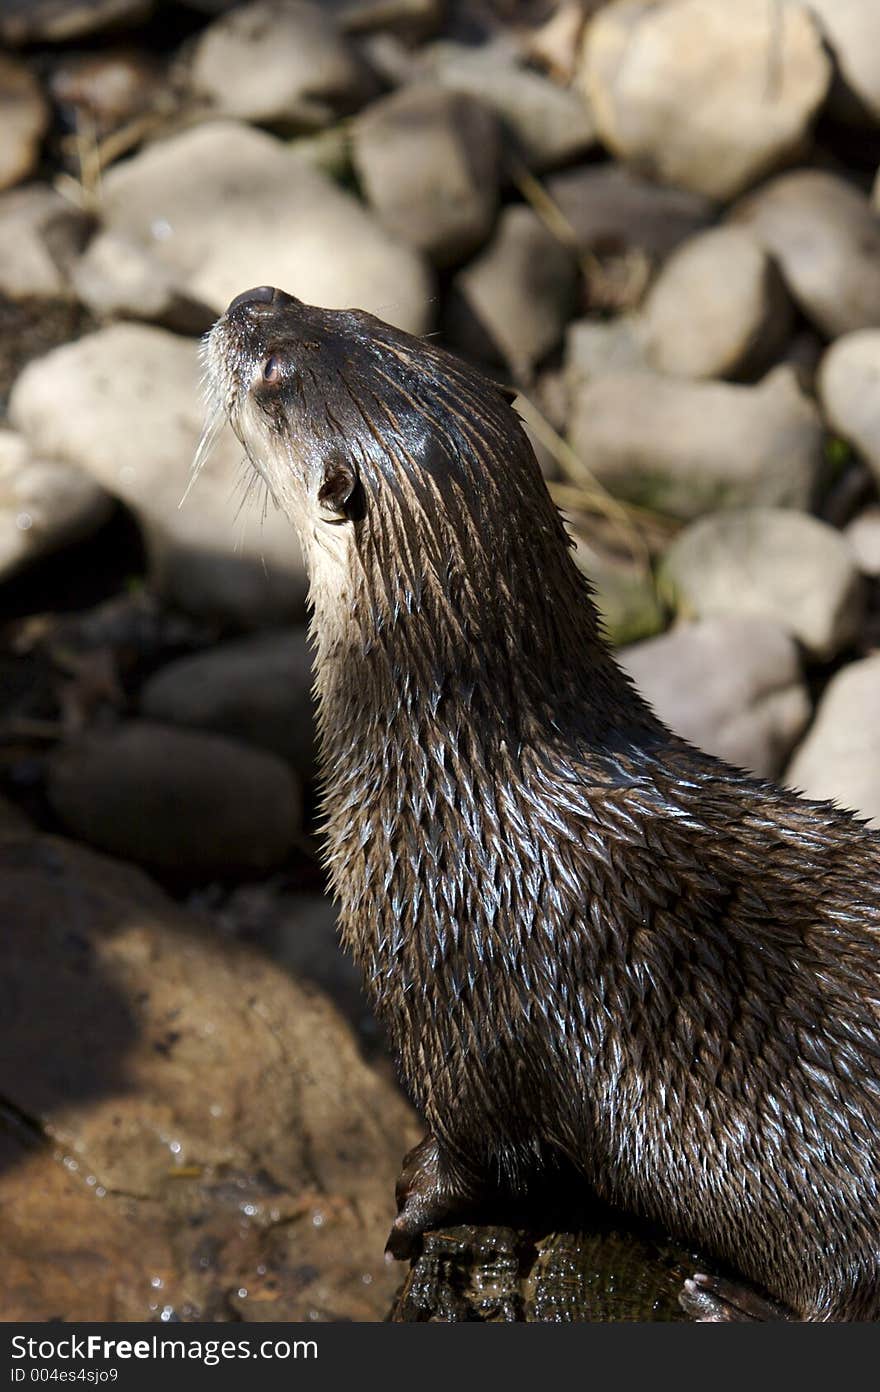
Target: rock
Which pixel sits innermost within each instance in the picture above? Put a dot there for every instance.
(613, 210)
(513, 301)
(56, 21)
(730, 685)
(43, 504)
(24, 120)
(863, 538)
(117, 278)
(41, 235)
(226, 206)
(851, 29)
(412, 19)
(849, 391)
(548, 125)
(774, 562)
(177, 801)
(825, 239)
(594, 347)
(428, 162)
(840, 757)
(718, 308)
(105, 90)
(625, 595)
(125, 405)
(216, 1143)
(686, 448)
(279, 62)
(703, 94)
(257, 690)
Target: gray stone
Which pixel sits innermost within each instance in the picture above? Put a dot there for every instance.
(705, 94)
(24, 120)
(177, 801)
(718, 308)
(257, 690)
(116, 278)
(428, 162)
(281, 62)
(596, 347)
(840, 757)
(686, 448)
(43, 504)
(624, 593)
(863, 538)
(550, 125)
(614, 210)
(825, 238)
(125, 405)
(413, 19)
(56, 21)
(773, 562)
(226, 206)
(849, 390)
(41, 235)
(520, 292)
(732, 686)
(852, 31)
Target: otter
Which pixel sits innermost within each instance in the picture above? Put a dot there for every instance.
(588, 941)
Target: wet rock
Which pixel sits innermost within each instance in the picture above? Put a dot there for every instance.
(852, 31)
(428, 162)
(24, 119)
(863, 538)
(718, 308)
(849, 390)
(612, 209)
(280, 62)
(731, 685)
(226, 206)
(177, 801)
(56, 21)
(117, 278)
(778, 563)
(43, 504)
(825, 238)
(125, 405)
(257, 690)
(41, 235)
(687, 448)
(215, 1140)
(513, 301)
(703, 94)
(840, 757)
(548, 125)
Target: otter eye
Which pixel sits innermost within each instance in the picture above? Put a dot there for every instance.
(272, 368)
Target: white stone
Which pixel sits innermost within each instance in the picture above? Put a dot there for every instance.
(849, 390)
(44, 504)
(840, 757)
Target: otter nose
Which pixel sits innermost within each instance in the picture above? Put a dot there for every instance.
(262, 294)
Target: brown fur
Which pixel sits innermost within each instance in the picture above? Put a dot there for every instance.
(584, 936)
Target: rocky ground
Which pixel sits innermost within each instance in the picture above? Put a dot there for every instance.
(659, 220)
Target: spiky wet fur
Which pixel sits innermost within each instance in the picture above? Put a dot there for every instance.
(582, 934)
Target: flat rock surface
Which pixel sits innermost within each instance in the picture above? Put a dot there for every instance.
(705, 94)
(125, 404)
(160, 797)
(227, 206)
(849, 390)
(771, 561)
(840, 757)
(687, 447)
(825, 238)
(207, 1142)
(718, 308)
(732, 686)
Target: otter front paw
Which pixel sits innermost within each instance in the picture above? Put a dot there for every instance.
(714, 1300)
(426, 1198)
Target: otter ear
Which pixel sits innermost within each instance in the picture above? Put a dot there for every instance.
(340, 491)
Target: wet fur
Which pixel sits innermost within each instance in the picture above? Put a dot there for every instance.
(582, 934)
